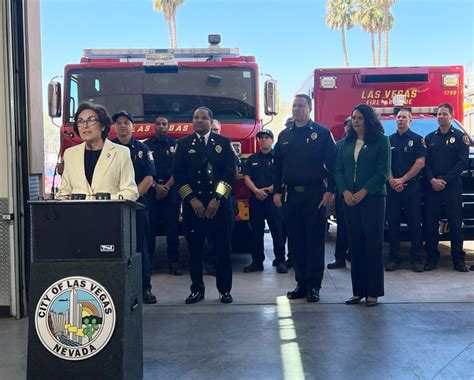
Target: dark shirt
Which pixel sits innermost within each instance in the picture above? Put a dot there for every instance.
(90, 161)
(406, 149)
(163, 153)
(259, 167)
(448, 154)
(304, 155)
(142, 159)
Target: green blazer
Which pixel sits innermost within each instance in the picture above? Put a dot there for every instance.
(370, 172)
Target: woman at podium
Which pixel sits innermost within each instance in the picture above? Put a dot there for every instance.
(97, 165)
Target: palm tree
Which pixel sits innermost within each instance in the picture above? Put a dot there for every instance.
(169, 8)
(388, 22)
(339, 15)
(370, 18)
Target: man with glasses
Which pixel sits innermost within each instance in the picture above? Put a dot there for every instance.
(144, 167)
(163, 197)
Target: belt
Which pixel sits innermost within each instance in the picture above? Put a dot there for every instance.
(303, 188)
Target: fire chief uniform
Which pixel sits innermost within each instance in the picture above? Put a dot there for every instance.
(448, 156)
(304, 159)
(406, 149)
(144, 166)
(206, 170)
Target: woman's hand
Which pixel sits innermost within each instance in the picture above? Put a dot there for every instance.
(348, 198)
(359, 196)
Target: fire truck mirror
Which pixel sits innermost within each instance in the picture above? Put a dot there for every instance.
(54, 99)
(272, 97)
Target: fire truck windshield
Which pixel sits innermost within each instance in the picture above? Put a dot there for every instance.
(228, 91)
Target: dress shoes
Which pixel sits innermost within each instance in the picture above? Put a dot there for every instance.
(194, 297)
(371, 303)
(297, 293)
(312, 295)
(337, 264)
(226, 298)
(429, 267)
(391, 266)
(175, 269)
(353, 300)
(417, 267)
(281, 267)
(461, 267)
(148, 297)
(253, 267)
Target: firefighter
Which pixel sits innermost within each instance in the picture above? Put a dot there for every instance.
(408, 159)
(448, 156)
(304, 159)
(258, 173)
(204, 169)
(142, 159)
(163, 197)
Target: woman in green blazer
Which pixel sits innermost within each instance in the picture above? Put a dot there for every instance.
(362, 168)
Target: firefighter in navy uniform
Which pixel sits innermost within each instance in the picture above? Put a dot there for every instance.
(304, 159)
(408, 159)
(163, 197)
(142, 159)
(204, 169)
(258, 173)
(448, 156)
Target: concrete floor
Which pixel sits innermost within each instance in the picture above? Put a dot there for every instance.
(424, 328)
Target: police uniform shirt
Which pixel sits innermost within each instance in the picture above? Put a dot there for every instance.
(406, 149)
(448, 154)
(163, 152)
(304, 155)
(142, 159)
(259, 167)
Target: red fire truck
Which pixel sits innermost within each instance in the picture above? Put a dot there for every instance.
(171, 83)
(421, 89)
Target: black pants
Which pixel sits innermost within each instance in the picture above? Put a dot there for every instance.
(342, 251)
(259, 212)
(165, 212)
(410, 201)
(142, 227)
(451, 196)
(306, 229)
(366, 225)
(217, 230)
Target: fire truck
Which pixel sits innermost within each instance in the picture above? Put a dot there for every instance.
(420, 89)
(171, 83)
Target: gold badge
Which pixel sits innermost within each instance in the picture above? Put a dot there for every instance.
(452, 140)
(172, 149)
(140, 154)
(218, 148)
(191, 151)
(410, 143)
(466, 140)
(314, 136)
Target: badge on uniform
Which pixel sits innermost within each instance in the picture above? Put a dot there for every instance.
(410, 143)
(171, 149)
(218, 148)
(423, 143)
(314, 136)
(191, 151)
(452, 140)
(466, 140)
(140, 154)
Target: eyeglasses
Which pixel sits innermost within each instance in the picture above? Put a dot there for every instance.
(89, 122)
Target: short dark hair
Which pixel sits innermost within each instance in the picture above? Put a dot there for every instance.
(209, 112)
(162, 117)
(372, 124)
(104, 118)
(448, 106)
(307, 98)
(404, 109)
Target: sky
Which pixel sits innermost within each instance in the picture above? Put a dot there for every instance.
(289, 38)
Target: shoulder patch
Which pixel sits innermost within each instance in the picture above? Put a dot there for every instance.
(466, 140)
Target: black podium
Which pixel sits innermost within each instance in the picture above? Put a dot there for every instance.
(85, 292)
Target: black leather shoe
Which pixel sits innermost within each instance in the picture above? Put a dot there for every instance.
(281, 268)
(194, 297)
(226, 298)
(337, 264)
(253, 267)
(312, 295)
(461, 267)
(428, 267)
(297, 293)
(417, 267)
(353, 300)
(391, 266)
(175, 269)
(148, 297)
(371, 303)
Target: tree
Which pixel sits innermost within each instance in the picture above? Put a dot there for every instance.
(370, 18)
(340, 15)
(169, 8)
(388, 22)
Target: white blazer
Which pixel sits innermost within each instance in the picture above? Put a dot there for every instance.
(113, 173)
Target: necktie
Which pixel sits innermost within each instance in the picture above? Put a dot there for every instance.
(203, 140)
